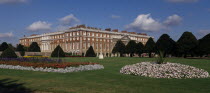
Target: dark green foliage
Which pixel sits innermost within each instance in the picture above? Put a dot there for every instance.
(204, 45)
(131, 48)
(4, 46)
(26, 48)
(139, 48)
(119, 48)
(160, 59)
(8, 53)
(34, 47)
(58, 52)
(90, 52)
(150, 47)
(20, 48)
(166, 44)
(11, 46)
(186, 43)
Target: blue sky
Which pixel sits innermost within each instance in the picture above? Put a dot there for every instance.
(154, 17)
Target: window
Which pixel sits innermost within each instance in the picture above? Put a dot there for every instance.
(92, 34)
(77, 33)
(70, 34)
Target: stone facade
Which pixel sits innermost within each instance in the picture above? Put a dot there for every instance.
(78, 39)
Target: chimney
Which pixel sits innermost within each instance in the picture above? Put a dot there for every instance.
(115, 30)
(124, 31)
(108, 29)
(144, 34)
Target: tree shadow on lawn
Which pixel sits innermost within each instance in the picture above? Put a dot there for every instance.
(11, 86)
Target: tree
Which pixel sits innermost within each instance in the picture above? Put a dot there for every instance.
(58, 52)
(20, 49)
(11, 46)
(204, 45)
(90, 52)
(131, 48)
(34, 47)
(4, 46)
(119, 48)
(165, 44)
(186, 43)
(150, 47)
(8, 53)
(139, 48)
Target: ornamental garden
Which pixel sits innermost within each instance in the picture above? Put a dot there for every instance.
(163, 66)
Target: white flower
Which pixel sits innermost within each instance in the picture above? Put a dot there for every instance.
(169, 70)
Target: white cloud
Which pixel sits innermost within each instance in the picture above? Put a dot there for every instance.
(69, 20)
(115, 16)
(6, 35)
(12, 1)
(182, 1)
(39, 26)
(145, 22)
(173, 20)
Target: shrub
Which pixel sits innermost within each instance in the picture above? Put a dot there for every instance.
(3, 46)
(34, 47)
(21, 49)
(160, 59)
(58, 52)
(8, 53)
(90, 52)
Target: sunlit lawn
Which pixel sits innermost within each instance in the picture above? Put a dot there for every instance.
(109, 80)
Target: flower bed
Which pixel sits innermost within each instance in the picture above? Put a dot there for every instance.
(58, 70)
(168, 70)
(47, 65)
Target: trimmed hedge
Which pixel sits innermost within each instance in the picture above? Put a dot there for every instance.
(8, 53)
(58, 52)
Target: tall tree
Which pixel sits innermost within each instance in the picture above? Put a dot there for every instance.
(139, 48)
(204, 45)
(131, 48)
(90, 52)
(150, 47)
(165, 44)
(20, 49)
(34, 47)
(4, 46)
(186, 43)
(58, 52)
(119, 48)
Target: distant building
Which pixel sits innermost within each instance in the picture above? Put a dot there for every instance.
(78, 39)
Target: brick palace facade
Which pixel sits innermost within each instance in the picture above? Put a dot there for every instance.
(78, 39)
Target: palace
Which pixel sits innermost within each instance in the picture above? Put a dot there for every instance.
(78, 39)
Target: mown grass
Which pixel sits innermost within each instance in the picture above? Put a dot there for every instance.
(109, 80)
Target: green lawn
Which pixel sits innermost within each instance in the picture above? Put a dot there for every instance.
(109, 80)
